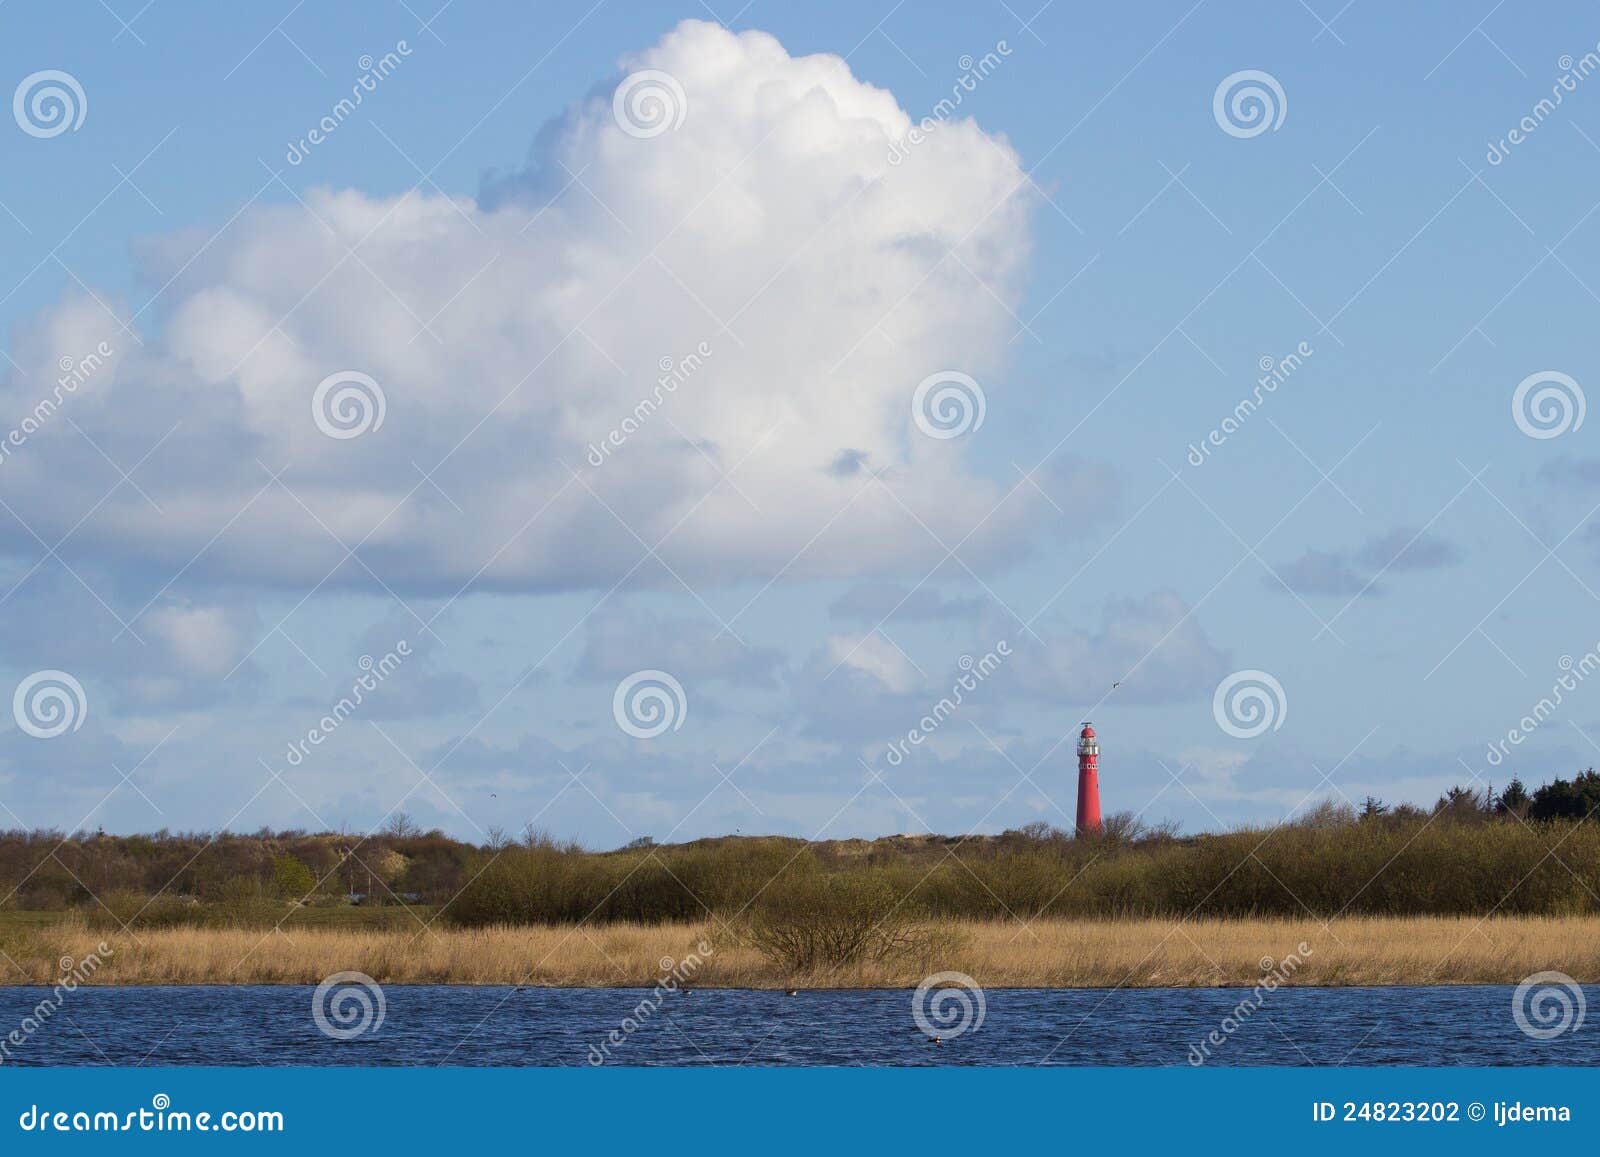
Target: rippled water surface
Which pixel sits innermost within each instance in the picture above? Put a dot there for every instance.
(430, 1025)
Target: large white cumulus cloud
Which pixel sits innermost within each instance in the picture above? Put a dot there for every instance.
(511, 333)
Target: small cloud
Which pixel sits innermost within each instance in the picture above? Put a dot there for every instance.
(187, 654)
(873, 655)
(1404, 549)
(1571, 472)
(1353, 573)
(849, 463)
(1319, 572)
(1210, 772)
(876, 602)
(200, 640)
(857, 688)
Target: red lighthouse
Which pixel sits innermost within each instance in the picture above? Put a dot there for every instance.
(1088, 782)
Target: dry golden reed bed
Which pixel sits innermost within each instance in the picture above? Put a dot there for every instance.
(1046, 954)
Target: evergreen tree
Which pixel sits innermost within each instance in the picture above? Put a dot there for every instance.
(1513, 801)
(1561, 799)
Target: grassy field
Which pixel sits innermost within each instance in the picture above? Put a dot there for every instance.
(1410, 895)
(1046, 953)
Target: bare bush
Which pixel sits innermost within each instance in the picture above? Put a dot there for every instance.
(811, 921)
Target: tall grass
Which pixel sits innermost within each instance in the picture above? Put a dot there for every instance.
(1045, 953)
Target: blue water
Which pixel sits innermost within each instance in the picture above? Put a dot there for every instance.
(431, 1025)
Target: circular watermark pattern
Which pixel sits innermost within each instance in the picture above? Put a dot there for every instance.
(48, 103)
(948, 404)
(1249, 102)
(649, 703)
(1548, 404)
(1548, 1004)
(348, 404)
(347, 1005)
(1249, 703)
(49, 703)
(648, 103)
(948, 1004)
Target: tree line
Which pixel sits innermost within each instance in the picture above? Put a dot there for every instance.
(1473, 852)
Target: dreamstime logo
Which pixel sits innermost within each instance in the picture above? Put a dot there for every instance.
(948, 1004)
(1548, 404)
(1573, 672)
(74, 373)
(354, 1002)
(373, 674)
(372, 72)
(674, 974)
(1274, 372)
(1572, 71)
(1274, 973)
(47, 104)
(948, 404)
(1548, 1004)
(674, 372)
(649, 703)
(49, 703)
(1248, 103)
(348, 404)
(1249, 703)
(974, 672)
(649, 103)
(160, 1118)
(73, 974)
(973, 73)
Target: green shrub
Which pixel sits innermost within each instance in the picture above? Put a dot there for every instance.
(293, 880)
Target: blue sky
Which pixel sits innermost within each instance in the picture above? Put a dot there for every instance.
(509, 261)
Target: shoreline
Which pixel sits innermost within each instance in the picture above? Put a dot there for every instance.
(773, 988)
(1045, 954)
